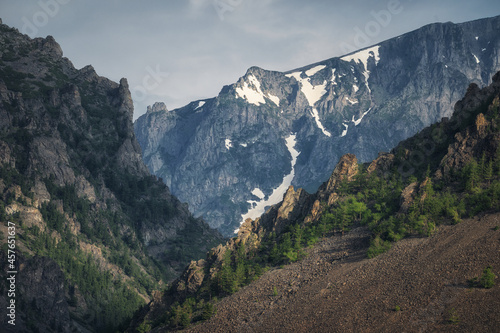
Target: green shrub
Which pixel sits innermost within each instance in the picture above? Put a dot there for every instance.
(487, 280)
(144, 327)
(208, 311)
(453, 318)
(292, 255)
(378, 246)
(185, 319)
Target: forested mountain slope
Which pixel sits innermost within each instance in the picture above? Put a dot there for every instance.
(95, 232)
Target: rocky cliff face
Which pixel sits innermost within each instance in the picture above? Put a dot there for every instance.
(73, 182)
(226, 156)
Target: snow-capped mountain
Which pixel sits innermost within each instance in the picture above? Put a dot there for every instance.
(233, 155)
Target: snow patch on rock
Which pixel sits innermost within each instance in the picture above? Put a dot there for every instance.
(344, 132)
(258, 193)
(362, 57)
(313, 93)
(274, 99)
(357, 122)
(351, 101)
(228, 144)
(314, 70)
(334, 77)
(200, 104)
(314, 113)
(252, 93)
(259, 207)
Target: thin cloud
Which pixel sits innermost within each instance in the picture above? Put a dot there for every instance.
(202, 52)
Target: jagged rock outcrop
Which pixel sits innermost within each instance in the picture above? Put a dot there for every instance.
(407, 197)
(346, 169)
(382, 163)
(157, 107)
(214, 153)
(73, 181)
(475, 140)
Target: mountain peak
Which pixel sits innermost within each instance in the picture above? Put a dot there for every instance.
(254, 70)
(157, 107)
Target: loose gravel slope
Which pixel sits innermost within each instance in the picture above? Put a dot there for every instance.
(337, 289)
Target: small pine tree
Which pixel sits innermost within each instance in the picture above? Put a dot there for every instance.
(488, 172)
(292, 255)
(240, 273)
(453, 319)
(274, 254)
(496, 161)
(471, 176)
(429, 188)
(378, 246)
(482, 164)
(144, 327)
(185, 319)
(428, 172)
(208, 311)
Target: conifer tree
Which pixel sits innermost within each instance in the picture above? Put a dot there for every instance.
(496, 161)
(471, 176)
(488, 172)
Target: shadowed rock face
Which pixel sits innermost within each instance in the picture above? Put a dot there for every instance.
(67, 139)
(214, 153)
(42, 281)
(40, 296)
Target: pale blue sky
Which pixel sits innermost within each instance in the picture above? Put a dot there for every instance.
(178, 51)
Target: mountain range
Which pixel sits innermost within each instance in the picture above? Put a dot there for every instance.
(232, 156)
(398, 238)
